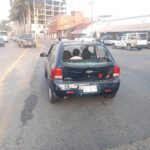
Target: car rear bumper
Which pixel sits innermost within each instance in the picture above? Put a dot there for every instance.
(67, 88)
(29, 44)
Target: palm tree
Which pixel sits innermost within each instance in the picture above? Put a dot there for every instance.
(20, 12)
(11, 2)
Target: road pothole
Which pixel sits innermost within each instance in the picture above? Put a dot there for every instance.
(26, 113)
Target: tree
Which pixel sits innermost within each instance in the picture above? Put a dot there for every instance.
(11, 2)
(20, 12)
(4, 25)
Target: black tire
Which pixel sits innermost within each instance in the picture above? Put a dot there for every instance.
(33, 46)
(139, 48)
(129, 47)
(110, 95)
(113, 46)
(22, 46)
(46, 75)
(52, 96)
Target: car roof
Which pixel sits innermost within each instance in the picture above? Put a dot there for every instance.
(70, 42)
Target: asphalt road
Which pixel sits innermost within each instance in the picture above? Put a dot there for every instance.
(29, 122)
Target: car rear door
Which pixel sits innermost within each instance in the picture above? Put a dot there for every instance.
(51, 59)
(89, 72)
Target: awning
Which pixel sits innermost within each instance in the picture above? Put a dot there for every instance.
(125, 28)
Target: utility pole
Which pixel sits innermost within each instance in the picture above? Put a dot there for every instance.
(34, 18)
(91, 3)
(45, 17)
(34, 11)
(29, 18)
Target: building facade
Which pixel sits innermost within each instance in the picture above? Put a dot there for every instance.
(129, 24)
(60, 25)
(43, 10)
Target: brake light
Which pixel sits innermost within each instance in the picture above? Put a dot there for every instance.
(57, 74)
(100, 75)
(116, 71)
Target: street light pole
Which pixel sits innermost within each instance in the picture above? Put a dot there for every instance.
(34, 11)
(91, 3)
(34, 19)
(45, 16)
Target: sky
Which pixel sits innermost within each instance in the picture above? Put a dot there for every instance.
(4, 9)
(115, 8)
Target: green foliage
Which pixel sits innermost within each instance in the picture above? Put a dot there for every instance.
(19, 10)
(4, 25)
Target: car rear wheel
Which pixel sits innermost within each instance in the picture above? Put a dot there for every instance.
(110, 95)
(113, 46)
(22, 46)
(129, 47)
(46, 75)
(139, 48)
(52, 96)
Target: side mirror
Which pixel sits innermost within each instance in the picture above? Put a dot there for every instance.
(43, 55)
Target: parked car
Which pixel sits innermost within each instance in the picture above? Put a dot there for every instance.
(4, 36)
(107, 40)
(130, 41)
(15, 38)
(2, 43)
(86, 39)
(26, 40)
(76, 68)
(62, 39)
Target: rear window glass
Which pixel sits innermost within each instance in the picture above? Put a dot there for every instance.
(85, 55)
(28, 37)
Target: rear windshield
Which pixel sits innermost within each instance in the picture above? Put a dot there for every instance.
(28, 37)
(85, 55)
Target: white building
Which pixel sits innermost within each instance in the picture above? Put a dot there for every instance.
(129, 24)
(136, 23)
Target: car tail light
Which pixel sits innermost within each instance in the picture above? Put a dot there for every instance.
(116, 71)
(100, 75)
(70, 92)
(57, 74)
(108, 90)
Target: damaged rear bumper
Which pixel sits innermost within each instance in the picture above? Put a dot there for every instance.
(66, 88)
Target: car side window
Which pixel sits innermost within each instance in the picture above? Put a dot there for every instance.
(49, 52)
(52, 52)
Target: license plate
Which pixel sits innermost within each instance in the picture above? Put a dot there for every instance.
(89, 89)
